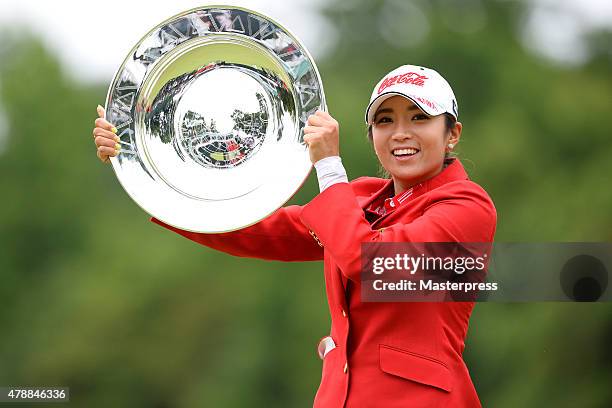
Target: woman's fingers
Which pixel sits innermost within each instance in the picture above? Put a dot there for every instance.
(104, 141)
(314, 120)
(322, 119)
(107, 151)
(309, 138)
(312, 129)
(105, 137)
(99, 132)
(100, 122)
(104, 158)
(104, 124)
(107, 144)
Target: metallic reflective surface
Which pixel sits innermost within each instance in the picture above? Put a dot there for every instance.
(210, 107)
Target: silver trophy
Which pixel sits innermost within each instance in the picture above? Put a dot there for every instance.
(210, 107)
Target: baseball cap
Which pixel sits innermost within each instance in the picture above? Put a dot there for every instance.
(423, 86)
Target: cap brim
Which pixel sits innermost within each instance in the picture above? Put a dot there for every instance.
(375, 104)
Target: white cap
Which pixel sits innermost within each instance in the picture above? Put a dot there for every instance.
(423, 86)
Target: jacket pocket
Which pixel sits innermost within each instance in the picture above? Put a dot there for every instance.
(415, 367)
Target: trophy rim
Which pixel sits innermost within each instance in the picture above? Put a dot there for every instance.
(215, 7)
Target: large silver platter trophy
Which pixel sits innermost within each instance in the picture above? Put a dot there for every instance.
(210, 107)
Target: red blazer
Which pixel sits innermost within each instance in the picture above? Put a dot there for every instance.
(388, 354)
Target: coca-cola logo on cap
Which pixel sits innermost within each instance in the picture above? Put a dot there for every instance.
(407, 78)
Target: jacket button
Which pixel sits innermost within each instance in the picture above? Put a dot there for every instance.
(345, 367)
(343, 313)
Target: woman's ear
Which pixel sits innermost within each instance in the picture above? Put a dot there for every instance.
(455, 134)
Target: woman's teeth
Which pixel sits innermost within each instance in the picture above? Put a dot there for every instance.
(404, 152)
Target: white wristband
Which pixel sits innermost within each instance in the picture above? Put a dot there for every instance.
(330, 171)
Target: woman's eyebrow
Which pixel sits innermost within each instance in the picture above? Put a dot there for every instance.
(383, 110)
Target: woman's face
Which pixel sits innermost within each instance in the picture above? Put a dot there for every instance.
(409, 144)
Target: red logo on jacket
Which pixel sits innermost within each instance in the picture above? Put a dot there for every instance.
(408, 78)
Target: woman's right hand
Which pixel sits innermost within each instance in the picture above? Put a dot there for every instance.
(105, 137)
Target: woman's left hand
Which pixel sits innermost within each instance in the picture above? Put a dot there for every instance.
(321, 136)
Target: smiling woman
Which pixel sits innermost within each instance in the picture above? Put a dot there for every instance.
(449, 122)
(379, 354)
(410, 144)
(405, 114)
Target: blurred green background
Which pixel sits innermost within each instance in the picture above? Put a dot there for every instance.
(127, 314)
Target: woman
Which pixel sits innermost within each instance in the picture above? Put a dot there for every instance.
(378, 354)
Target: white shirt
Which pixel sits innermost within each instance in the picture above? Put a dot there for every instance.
(330, 171)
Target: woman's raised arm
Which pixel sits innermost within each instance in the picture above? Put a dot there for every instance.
(279, 237)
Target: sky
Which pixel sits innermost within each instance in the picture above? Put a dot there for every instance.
(93, 40)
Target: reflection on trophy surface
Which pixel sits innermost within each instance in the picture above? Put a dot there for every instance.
(210, 108)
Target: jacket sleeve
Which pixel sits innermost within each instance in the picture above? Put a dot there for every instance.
(462, 212)
(280, 237)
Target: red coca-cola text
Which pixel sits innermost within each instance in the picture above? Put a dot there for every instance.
(407, 78)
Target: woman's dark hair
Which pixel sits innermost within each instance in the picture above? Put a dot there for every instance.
(449, 121)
